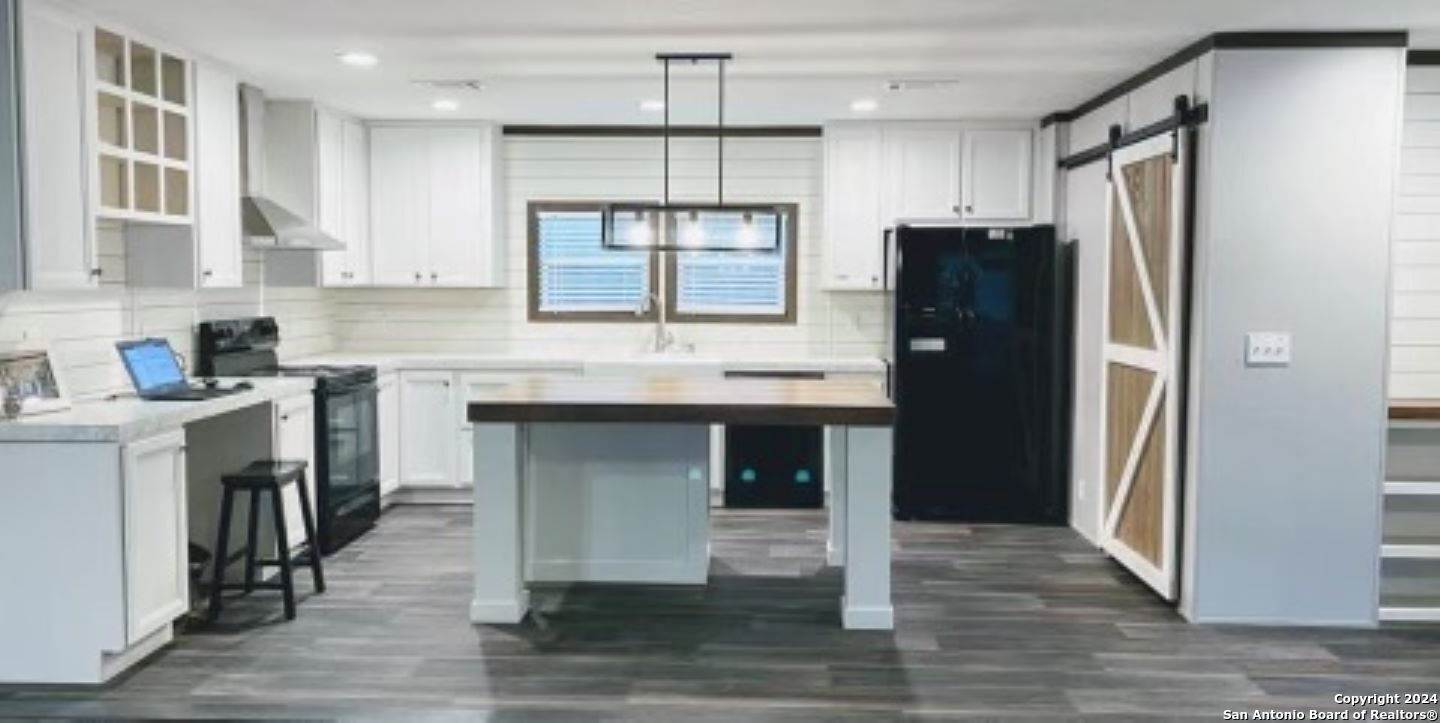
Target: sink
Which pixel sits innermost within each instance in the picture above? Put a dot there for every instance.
(667, 364)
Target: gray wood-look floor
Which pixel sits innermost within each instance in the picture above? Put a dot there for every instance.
(993, 622)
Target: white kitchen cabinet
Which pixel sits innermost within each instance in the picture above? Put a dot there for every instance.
(59, 225)
(295, 440)
(922, 172)
(996, 182)
(435, 218)
(156, 534)
(388, 410)
(349, 210)
(428, 425)
(854, 228)
(219, 237)
(316, 164)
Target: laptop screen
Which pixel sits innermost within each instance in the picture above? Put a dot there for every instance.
(151, 364)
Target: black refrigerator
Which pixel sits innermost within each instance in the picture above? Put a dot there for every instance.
(981, 374)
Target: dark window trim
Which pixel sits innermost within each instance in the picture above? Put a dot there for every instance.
(1423, 57)
(792, 255)
(637, 131)
(533, 209)
(1234, 40)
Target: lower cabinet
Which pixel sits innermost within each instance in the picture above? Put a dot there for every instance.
(388, 410)
(156, 534)
(427, 429)
(295, 439)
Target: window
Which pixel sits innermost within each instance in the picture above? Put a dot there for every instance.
(572, 278)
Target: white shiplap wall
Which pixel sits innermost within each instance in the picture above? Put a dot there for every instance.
(1415, 312)
(770, 170)
(81, 327)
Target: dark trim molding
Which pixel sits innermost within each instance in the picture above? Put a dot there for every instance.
(1423, 57)
(1185, 117)
(1237, 40)
(620, 131)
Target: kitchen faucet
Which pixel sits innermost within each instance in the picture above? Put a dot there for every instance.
(664, 340)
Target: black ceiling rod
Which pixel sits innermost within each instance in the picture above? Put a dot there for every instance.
(666, 121)
(720, 135)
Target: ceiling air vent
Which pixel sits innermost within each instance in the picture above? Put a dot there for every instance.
(904, 85)
(451, 85)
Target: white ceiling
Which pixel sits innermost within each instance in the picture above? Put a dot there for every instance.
(796, 61)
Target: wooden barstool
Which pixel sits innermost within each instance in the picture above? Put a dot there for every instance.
(259, 477)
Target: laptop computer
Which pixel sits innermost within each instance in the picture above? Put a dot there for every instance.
(155, 371)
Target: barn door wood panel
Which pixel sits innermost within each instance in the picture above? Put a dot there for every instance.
(1141, 394)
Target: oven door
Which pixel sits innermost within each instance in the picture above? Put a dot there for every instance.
(352, 488)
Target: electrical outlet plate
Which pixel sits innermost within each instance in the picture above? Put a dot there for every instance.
(1267, 349)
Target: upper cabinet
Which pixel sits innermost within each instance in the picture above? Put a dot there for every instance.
(435, 205)
(881, 174)
(854, 223)
(996, 182)
(344, 198)
(317, 166)
(59, 229)
(218, 234)
(922, 172)
(142, 102)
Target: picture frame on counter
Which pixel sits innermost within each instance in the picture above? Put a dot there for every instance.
(29, 384)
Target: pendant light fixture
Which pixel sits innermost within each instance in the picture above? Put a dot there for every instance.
(718, 226)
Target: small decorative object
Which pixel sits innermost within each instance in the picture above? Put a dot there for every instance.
(29, 384)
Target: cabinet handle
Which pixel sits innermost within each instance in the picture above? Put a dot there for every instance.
(434, 276)
(209, 273)
(955, 208)
(97, 272)
(418, 277)
(969, 208)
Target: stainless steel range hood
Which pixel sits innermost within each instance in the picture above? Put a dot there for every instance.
(268, 223)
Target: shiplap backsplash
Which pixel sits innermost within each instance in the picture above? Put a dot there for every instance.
(80, 328)
(1415, 312)
(760, 170)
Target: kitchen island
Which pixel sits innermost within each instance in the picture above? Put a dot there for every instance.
(638, 449)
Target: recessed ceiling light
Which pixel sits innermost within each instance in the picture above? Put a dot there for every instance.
(864, 105)
(652, 105)
(446, 104)
(358, 59)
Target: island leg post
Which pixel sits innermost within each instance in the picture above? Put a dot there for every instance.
(500, 594)
(867, 481)
(835, 460)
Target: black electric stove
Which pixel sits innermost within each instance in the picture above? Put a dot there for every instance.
(347, 468)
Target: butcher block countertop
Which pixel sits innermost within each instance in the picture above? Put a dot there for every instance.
(687, 401)
(1415, 409)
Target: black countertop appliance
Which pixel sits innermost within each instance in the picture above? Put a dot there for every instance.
(981, 374)
(347, 452)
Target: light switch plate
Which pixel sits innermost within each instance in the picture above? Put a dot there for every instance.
(1267, 349)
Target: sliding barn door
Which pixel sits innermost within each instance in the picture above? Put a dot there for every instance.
(1142, 392)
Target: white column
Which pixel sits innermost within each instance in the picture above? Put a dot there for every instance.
(500, 595)
(835, 469)
(866, 605)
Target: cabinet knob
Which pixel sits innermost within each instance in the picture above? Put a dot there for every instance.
(97, 272)
(969, 208)
(209, 273)
(955, 208)
(418, 277)
(434, 276)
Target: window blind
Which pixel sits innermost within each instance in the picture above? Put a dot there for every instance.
(734, 283)
(577, 275)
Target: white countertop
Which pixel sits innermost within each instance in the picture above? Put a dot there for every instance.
(127, 419)
(389, 361)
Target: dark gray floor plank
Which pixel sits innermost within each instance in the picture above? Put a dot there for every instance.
(994, 622)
